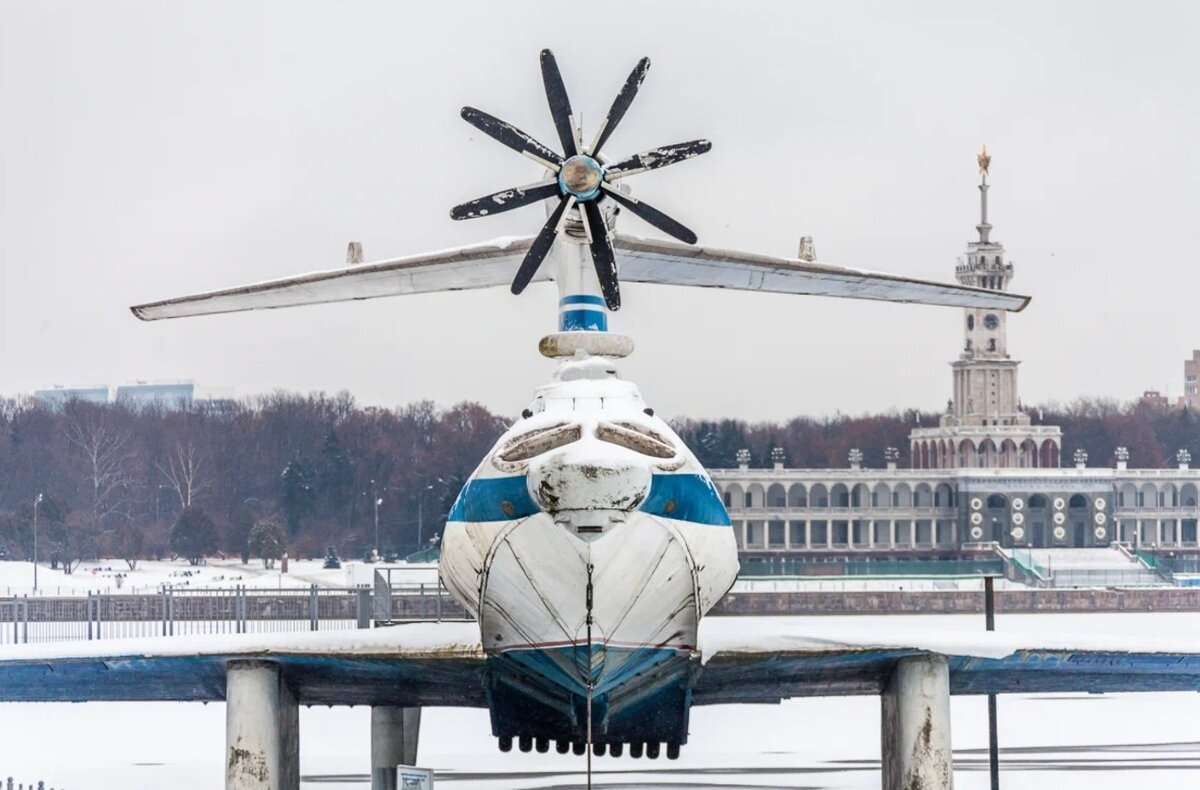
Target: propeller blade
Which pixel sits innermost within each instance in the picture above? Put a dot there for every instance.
(511, 136)
(505, 200)
(659, 157)
(603, 257)
(621, 104)
(652, 215)
(541, 246)
(560, 105)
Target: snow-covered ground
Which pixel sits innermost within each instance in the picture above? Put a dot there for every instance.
(1059, 742)
(16, 578)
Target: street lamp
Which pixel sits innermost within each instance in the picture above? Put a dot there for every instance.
(36, 504)
(377, 500)
(421, 514)
(157, 493)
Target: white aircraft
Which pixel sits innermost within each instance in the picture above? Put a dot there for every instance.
(589, 542)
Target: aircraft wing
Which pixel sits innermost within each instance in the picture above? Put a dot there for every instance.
(742, 660)
(667, 263)
(477, 266)
(407, 665)
(746, 661)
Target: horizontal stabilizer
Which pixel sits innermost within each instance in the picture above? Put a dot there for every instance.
(478, 266)
(667, 263)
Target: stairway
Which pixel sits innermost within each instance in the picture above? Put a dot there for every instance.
(1099, 567)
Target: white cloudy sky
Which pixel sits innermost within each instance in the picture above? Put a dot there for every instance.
(149, 149)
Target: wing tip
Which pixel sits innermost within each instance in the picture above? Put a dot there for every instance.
(140, 312)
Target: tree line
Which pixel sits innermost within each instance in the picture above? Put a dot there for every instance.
(307, 472)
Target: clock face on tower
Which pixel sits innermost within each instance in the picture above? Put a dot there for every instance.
(991, 321)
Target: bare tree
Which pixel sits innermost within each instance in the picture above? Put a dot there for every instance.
(107, 456)
(183, 471)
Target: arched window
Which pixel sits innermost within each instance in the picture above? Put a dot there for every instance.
(970, 323)
(997, 502)
(1078, 501)
(735, 497)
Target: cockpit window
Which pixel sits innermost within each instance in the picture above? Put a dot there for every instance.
(636, 438)
(532, 444)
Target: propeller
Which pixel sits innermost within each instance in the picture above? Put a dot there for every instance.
(580, 180)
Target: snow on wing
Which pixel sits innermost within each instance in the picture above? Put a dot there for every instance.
(667, 263)
(484, 265)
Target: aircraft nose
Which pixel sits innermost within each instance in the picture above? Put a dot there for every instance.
(576, 479)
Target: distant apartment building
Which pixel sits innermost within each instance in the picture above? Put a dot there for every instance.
(1191, 382)
(58, 395)
(176, 395)
(139, 395)
(1155, 400)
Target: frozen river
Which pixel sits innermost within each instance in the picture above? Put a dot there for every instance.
(1057, 742)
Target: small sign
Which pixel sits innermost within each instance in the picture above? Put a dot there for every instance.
(409, 778)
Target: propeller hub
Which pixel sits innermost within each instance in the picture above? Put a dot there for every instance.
(580, 176)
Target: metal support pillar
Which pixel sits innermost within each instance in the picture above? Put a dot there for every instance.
(916, 726)
(989, 607)
(394, 736)
(262, 728)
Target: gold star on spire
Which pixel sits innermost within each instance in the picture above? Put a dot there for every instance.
(984, 160)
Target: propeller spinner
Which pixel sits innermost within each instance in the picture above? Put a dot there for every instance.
(581, 179)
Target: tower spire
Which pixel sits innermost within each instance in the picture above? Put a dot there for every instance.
(984, 228)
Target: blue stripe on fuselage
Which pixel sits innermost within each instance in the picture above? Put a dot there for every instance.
(585, 320)
(483, 499)
(685, 497)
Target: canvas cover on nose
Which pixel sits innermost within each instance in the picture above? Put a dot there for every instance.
(589, 476)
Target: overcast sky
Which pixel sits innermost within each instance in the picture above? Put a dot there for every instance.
(152, 149)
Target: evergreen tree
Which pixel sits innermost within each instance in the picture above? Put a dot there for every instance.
(194, 535)
(299, 494)
(267, 541)
(128, 543)
(335, 476)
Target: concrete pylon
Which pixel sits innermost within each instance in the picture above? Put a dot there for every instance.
(262, 728)
(916, 726)
(394, 736)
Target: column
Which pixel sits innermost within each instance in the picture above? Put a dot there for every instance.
(262, 728)
(394, 735)
(916, 726)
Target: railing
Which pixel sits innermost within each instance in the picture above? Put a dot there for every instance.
(174, 612)
(1189, 564)
(1105, 577)
(873, 568)
(238, 610)
(398, 598)
(1027, 569)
